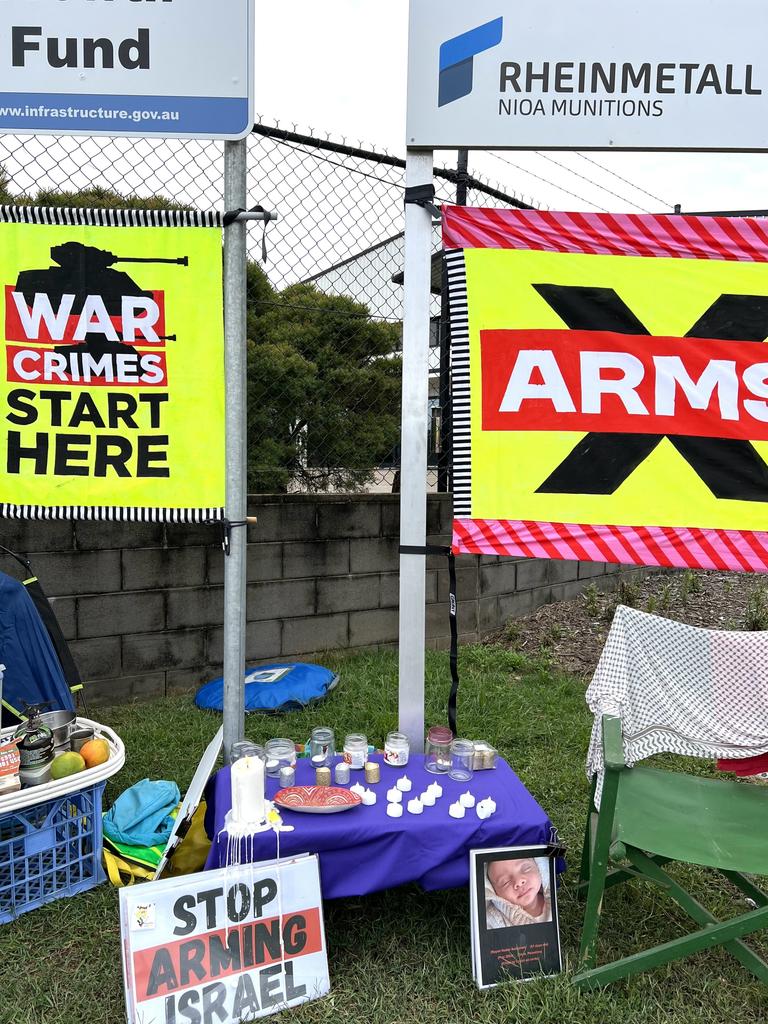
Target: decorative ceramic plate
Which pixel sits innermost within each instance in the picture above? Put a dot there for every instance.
(317, 799)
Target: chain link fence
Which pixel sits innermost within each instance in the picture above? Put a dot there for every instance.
(324, 312)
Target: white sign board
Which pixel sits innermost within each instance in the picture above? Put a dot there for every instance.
(158, 68)
(223, 946)
(588, 74)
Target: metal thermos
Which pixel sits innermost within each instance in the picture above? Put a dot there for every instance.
(35, 748)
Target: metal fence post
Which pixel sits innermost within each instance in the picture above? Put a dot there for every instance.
(413, 474)
(235, 169)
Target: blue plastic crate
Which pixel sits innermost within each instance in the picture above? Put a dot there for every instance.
(50, 850)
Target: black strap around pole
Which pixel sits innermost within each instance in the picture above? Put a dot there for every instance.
(454, 656)
(424, 196)
(432, 549)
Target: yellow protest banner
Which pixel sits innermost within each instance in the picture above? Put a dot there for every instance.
(112, 384)
(610, 386)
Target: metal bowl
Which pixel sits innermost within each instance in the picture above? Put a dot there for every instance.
(59, 722)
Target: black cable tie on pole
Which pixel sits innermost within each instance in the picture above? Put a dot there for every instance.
(227, 526)
(230, 217)
(427, 549)
(423, 195)
(433, 549)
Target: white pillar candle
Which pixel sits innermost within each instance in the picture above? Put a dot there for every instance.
(415, 806)
(394, 796)
(456, 810)
(404, 784)
(247, 781)
(368, 797)
(395, 810)
(467, 800)
(428, 798)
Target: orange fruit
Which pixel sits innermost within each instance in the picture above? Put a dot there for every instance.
(94, 752)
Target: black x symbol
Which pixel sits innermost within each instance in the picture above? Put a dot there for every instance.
(602, 462)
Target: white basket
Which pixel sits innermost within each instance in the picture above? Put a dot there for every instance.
(72, 783)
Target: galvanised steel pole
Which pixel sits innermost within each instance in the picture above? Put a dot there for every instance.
(235, 170)
(413, 447)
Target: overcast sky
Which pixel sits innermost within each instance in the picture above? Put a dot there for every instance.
(340, 68)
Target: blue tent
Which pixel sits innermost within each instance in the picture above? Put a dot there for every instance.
(33, 672)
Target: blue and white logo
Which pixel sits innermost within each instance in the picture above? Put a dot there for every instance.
(457, 59)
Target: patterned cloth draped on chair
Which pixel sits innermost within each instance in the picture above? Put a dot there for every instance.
(680, 689)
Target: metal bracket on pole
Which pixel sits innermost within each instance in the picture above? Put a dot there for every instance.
(235, 171)
(413, 468)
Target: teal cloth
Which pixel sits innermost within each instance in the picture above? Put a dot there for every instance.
(141, 816)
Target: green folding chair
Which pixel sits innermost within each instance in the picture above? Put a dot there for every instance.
(649, 817)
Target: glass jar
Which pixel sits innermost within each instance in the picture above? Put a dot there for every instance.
(396, 749)
(322, 745)
(462, 759)
(438, 754)
(356, 750)
(281, 753)
(244, 748)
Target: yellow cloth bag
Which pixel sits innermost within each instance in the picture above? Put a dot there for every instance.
(188, 858)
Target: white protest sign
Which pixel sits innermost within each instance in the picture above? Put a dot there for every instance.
(167, 68)
(581, 74)
(223, 946)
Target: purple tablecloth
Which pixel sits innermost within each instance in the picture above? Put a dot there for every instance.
(364, 850)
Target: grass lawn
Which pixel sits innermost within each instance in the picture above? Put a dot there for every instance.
(400, 957)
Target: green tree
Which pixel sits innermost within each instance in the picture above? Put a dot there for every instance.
(323, 389)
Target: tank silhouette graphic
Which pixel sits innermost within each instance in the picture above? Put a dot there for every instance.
(85, 270)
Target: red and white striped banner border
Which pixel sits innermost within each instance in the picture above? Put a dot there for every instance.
(673, 546)
(607, 234)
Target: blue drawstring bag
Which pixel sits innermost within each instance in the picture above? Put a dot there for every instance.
(271, 688)
(141, 816)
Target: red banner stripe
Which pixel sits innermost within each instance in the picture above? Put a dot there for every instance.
(677, 236)
(671, 546)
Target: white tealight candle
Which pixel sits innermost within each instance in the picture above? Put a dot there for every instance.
(467, 800)
(395, 810)
(394, 796)
(436, 788)
(485, 808)
(404, 784)
(456, 810)
(428, 798)
(415, 806)
(357, 789)
(368, 797)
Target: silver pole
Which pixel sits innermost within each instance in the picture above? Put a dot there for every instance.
(235, 169)
(413, 447)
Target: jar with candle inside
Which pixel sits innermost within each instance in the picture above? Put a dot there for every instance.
(322, 745)
(462, 760)
(437, 758)
(281, 753)
(356, 750)
(396, 749)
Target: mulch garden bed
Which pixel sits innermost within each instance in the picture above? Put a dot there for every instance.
(572, 633)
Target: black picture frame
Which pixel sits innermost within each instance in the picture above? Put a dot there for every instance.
(514, 919)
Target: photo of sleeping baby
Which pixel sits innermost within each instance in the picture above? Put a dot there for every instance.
(517, 892)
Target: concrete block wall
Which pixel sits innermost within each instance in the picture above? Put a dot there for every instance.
(142, 604)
